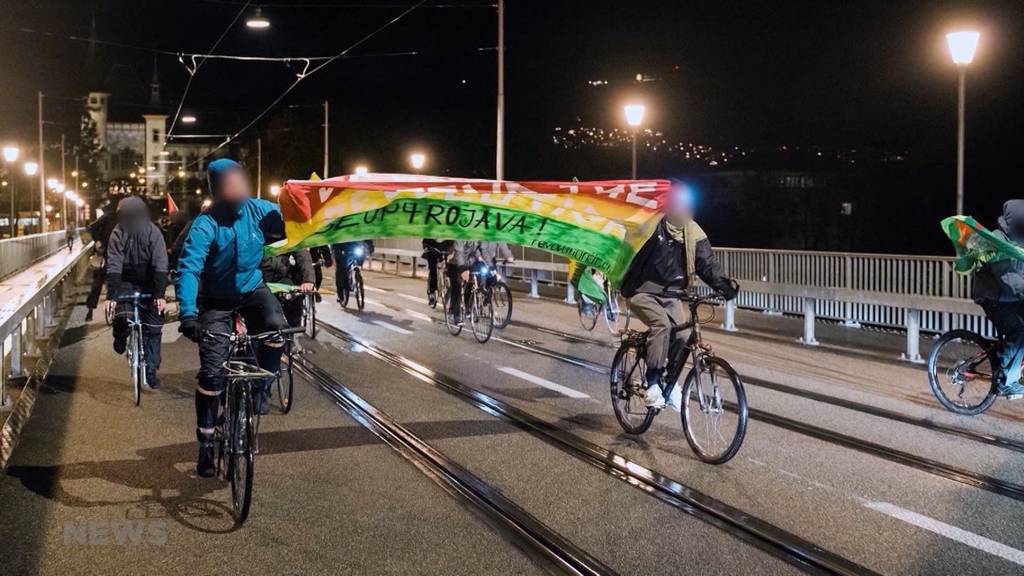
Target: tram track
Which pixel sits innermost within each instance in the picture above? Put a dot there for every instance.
(531, 535)
(767, 537)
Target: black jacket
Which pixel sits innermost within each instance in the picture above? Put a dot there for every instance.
(136, 252)
(292, 268)
(662, 259)
(1003, 281)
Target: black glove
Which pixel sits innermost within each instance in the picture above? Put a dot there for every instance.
(191, 329)
(728, 288)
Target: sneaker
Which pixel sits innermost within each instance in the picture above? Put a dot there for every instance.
(432, 299)
(1012, 391)
(675, 399)
(153, 381)
(120, 344)
(88, 315)
(205, 466)
(654, 398)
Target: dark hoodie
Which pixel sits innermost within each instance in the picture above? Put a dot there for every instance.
(1003, 281)
(136, 253)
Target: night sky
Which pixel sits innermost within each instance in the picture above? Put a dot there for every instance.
(851, 73)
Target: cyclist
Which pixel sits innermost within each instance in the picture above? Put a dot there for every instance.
(465, 255)
(493, 252)
(294, 268)
(433, 252)
(137, 262)
(223, 250)
(676, 251)
(321, 259)
(100, 231)
(999, 290)
(346, 255)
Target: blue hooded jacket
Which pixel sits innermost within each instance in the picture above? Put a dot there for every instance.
(224, 247)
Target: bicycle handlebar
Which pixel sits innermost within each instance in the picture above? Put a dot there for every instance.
(133, 297)
(260, 336)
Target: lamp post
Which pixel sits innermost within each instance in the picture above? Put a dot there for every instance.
(962, 46)
(10, 156)
(31, 169)
(634, 117)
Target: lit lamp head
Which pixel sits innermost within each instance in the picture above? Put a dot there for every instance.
(51, 183)
(418, 160)
(962, 46)
(634, 114)
(10, 153)
(275, 190)
(257, 21)
(31, 168)
(362, 170)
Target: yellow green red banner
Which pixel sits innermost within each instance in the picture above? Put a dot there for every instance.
(599, 224)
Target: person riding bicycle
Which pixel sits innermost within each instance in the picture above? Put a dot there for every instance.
(346, 255)
(676, 251)
(137, 262)
(321, 259)
(100, 231)
(494, 252)
(434, 251)
(999, 290)
(223, 250)
(295, 268)
(466, 254)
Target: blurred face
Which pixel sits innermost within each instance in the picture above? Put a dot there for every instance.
(679, 208)
(235, 188)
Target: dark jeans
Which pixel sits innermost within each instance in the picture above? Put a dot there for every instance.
(262, 312)
(457, 286)
(432, 260)
(293, 309)
(152, 327)
(99, 276)
(343, 262)
(1008, 319)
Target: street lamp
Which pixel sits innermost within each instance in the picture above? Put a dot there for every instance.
(51, 183)
(188, 119)
(275, 190)
(363, 170)
(257, 21)
(31, 168)
(962, 46)
(418, 160)
(634, 117)
(11, 153)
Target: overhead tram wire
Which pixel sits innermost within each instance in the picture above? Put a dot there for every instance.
(194, 71)
(303, 76)
(343, 5)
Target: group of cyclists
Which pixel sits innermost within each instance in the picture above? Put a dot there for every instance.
(222, 274)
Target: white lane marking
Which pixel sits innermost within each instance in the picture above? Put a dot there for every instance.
(416, 299)
(418, 315)
(952, 532)
(392, 327)
(372, 289)
(542, 382)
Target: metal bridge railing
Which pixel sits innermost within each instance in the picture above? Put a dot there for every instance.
(20, 252)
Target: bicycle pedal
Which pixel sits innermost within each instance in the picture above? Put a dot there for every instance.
(1015, 397)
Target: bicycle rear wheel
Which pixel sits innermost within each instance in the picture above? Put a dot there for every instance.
(285, 381)
(962, 367)
(357, 288)
(501, 299)
(240, 453)
(628, 381)
(714, 410)
(454, 328)
(310, 315)
(134, 361)
(481, 317)
(612, 312)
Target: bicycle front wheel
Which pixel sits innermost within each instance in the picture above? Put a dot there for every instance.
(501, 299)
(310, 316)
(588, 312)
(961, 370)
(134, 361)
(612, 312)
(240, 464)
(285, 382)
(714, 410)
(482, 317)
(357, 289)
(628, 381)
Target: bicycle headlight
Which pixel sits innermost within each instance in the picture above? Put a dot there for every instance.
(359, 252)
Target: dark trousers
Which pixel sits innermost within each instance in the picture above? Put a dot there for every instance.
(99, 276)
(152, 328)
(457, 288)
(432, 259)
(262, 312)
(343, 261)
(293, 309)
(1008, 319)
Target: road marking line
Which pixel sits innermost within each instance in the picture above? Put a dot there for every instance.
(542, 382)
(372, 289)
(419, 315)
(952, 532)
(413, 298)
(392, 327)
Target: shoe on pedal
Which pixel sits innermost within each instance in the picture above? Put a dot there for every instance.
(88, 315)
(675, 399)
(653, 398)
(432, 299)
(120, 344)
(153, 381)
(1013, 391)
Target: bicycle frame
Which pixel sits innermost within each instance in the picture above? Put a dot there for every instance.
(678, 352)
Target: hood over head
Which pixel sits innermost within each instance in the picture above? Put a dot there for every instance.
(1012, 220)
(216, 172)
(132, 212)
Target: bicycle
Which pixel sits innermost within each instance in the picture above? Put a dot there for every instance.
(236, 437)
(442, 278)
(355, 282)
(610, 310)
(135, 349)
(702, 394)
(968, 365)
(477, 304)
